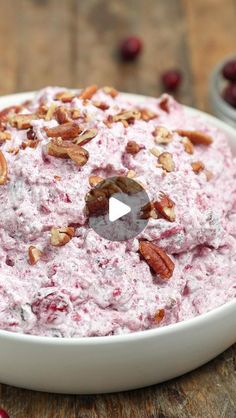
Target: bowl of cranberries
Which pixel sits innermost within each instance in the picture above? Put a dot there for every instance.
(223, 90)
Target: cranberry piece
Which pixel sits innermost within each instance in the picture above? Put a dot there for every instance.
(171, 79)
(229, 94)
(10, 263)
(130, 48)
(50, 308)
(229, 70)
(3, 414)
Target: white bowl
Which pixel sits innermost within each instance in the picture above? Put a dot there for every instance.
(109, 364)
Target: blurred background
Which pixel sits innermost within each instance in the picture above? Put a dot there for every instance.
(74, 43)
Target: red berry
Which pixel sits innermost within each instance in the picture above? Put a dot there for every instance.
(3, 414)
(229, 70)
(229, 94)
(171, 79)
(130, 48)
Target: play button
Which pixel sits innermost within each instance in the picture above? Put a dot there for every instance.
(116, 208)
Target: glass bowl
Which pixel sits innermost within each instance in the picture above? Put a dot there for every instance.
(216, 85)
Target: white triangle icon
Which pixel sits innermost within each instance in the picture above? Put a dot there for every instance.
(117, 209)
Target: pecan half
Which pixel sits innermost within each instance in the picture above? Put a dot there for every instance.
(34, 255)
(166, 161)
(65, 149)
(132, 147)
(162, 135)
(111, 91)
(147, 115)
(88, 92)
(3, 169)
(21, 121)
(95, 180)
(165, 207)
(196, 137)
(197, 166)
(68, 130)
(62, 115)
(101, 105)
(188, 145)
(61, 236)
(86, 136)
(157, 259)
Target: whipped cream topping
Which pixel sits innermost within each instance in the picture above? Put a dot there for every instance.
(91, 286)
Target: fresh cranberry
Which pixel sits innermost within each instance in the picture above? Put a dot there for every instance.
(10, 263)
(229, 70)
(171, 79)
(31, 135)
(50, 308)
(130, 48)
(3, 414)
(229, 94)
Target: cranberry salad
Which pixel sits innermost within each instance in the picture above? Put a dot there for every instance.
(60, 278)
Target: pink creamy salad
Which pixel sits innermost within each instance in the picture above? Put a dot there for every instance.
(91, 286)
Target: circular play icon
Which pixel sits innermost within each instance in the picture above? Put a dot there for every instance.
(117, 208)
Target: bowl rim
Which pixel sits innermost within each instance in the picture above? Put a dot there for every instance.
(185, 325)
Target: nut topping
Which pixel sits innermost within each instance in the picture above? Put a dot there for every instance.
(88, 92)
(75, 114)
(157, 259)
(196, 137)
(68, 130)
(20, 121)
(209, 175)
(61, 236)
(128, 115)
(110, 91)
(132, 147)
(86, 136)
(3, 169)
(147, 115)
(188, 145)
(162, 135)
(61, 115)
(65, 149)
(197, 166)
(166, 161)
(50, 112)
(101, 105)
(159, 315)
(155, 151)
(34, 255)
(9, 111)
(164, 104)
(65, 96)
(30, 144)
(95, 180)
(4, 136)
(165, 207)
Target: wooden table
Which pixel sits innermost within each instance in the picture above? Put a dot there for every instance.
(73, 43)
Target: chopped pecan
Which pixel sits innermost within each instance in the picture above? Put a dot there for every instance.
(75, 114)
(101, 105)
(95, 180)
(157, 259)
(131, 174)
(68, 130)
(3, 169)
(147, 211)
(4, 136)
(9, 111)
(34, 255)
(42, 111)
(65, 96)
(97, 202)
(30, 144)
(166, 161)
(13, 150)
(86, 136)
(147, 115)
(165, 207)
(197, 166)
(188, 145)
(62, 115)
(50, 112)
(57, 178)
(196, 137)
(164, 104)
(22, 121)
(110, 91)
(128, 115)
(132, 147)
(65, 149)
(162, 135)
(155, 151)
(159, 315)
(88, 92)
(61, 236)
(209, 175)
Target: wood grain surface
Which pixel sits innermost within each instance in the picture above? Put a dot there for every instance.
(74, 43)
